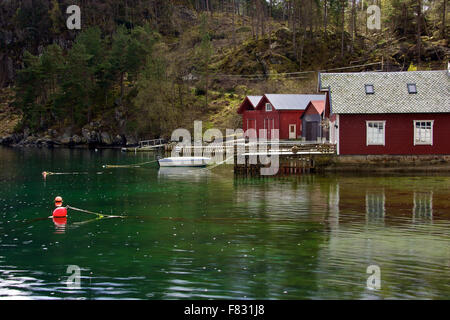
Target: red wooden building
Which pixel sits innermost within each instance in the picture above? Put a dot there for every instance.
(388, 113)
(276, 112)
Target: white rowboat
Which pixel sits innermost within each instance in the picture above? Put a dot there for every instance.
(184, 162)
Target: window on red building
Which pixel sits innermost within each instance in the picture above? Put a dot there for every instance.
(375, 132)
(423, 132)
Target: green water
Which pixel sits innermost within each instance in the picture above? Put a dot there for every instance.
(209, 235)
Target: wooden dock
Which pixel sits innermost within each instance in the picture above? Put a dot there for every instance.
(147, 146)
(294, 157)
(300, 159)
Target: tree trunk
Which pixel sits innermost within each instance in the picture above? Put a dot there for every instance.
(257, 18)
(325, 17)
(122, 74)
(419, 30)
(262, 19)
(300, 58)
(289, 9)
(310, 18)
(234, 23)
(342, 27)
(206, 90)
(269, 22)
(353, 24)
(405, 19)
(253, 21)
(294, 31)
(444, 16)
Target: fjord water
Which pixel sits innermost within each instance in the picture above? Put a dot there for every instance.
(200, 234)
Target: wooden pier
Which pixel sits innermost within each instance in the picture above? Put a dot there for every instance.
(294, 157)
(147, 146)
(300, 159)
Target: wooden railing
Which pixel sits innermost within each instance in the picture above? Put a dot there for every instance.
(151, 143)
(242, 147)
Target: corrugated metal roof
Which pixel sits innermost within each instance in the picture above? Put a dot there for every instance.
(292, 101)
(254, 100)
(347, 92)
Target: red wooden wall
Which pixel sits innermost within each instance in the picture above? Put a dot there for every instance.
(281, 120)
(399, 134)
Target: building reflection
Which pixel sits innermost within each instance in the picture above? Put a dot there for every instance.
(362, 221)
(376, 222)
(375, 207)
(423, 206)
(333, 207)
(343, 200)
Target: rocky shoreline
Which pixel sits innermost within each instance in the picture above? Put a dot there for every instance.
(51, 139)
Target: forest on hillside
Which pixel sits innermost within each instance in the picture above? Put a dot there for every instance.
(146, 67)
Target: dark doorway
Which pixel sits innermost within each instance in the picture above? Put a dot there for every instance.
(311, 130)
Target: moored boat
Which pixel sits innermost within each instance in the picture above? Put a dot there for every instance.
(184, 162)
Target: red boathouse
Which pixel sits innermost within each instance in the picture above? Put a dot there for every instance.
(388, 113)
(276, 112)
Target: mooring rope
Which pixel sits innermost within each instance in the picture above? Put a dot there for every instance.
(136, 165)
(48, 173)
(100, 215)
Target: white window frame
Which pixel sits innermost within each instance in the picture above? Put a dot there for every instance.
(384, 133)
(268, 107)
(426, 143)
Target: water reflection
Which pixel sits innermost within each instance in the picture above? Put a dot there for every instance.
(17, 284)
(188, 174)
(370, 221)
(211, 235)
(423, 206)
(305, 197)
(375, 207)
(333, 207)
(60, 225)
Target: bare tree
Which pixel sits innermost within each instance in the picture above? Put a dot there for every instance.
(444, 16)
(342, 4)
(233, 3)
(325, 16)
(353, 24)
(419, 30)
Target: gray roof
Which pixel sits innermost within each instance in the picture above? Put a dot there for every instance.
(254, 100)
(293, 101)
(347, 92)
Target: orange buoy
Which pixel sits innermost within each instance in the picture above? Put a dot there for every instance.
(60, 211)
